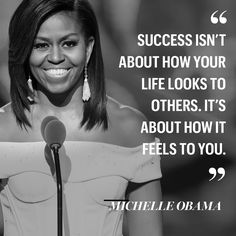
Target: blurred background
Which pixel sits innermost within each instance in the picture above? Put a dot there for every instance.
(185, 178)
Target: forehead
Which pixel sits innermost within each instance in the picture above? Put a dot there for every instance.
(60, 24)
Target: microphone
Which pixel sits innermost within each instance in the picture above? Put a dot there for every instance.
(45, 121)
(54, 134)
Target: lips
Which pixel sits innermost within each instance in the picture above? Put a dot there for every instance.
(58, 73)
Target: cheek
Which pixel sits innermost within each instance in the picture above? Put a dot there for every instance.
(36, 59)
(77, 58)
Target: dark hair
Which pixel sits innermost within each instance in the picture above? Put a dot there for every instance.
(23, 29)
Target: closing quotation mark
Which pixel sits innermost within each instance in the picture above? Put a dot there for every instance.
(214, 172)
(221, 18)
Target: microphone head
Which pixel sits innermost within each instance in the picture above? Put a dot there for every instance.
(45, 121)
(54, 133)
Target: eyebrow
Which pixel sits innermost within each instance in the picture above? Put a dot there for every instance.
(61, 39)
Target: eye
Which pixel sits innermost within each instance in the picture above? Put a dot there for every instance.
(40, 46)
(70, 43)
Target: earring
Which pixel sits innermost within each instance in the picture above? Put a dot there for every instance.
(29, 82)
(86, 90)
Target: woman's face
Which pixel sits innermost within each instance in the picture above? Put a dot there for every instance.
(59, 53)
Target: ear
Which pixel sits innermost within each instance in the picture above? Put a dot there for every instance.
(89, 48)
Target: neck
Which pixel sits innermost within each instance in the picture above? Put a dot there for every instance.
(67, 107)
(60, 103)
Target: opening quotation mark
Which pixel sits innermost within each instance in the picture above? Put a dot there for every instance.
(220, 171)
(221, 18)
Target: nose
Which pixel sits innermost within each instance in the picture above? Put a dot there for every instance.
(56, 56)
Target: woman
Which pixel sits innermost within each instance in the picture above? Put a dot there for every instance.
(56, 69)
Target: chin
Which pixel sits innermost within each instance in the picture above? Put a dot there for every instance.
(59, 88)
(56, 90)
(59, 91)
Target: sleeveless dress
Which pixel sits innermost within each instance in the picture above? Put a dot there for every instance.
(91, 171)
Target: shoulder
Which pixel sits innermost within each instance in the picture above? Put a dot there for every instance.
(126, 122)
(5, 114)
(7, 122)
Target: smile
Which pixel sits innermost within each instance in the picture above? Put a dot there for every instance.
(57, 72)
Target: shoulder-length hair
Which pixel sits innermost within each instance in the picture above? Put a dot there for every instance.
(23, 29)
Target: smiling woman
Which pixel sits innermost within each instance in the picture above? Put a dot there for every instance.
(56, 69)
(39, 46)
(60, 53)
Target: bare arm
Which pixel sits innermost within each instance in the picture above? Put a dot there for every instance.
(1, 215)
(144, 185)
(144, 223)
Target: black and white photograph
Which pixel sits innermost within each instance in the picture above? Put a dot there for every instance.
(117, 118)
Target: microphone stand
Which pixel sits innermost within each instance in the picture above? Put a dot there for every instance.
(55, 148)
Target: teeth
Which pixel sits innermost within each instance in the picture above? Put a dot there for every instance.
(57, 72)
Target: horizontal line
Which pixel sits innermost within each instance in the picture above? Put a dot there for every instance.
(115, 200)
